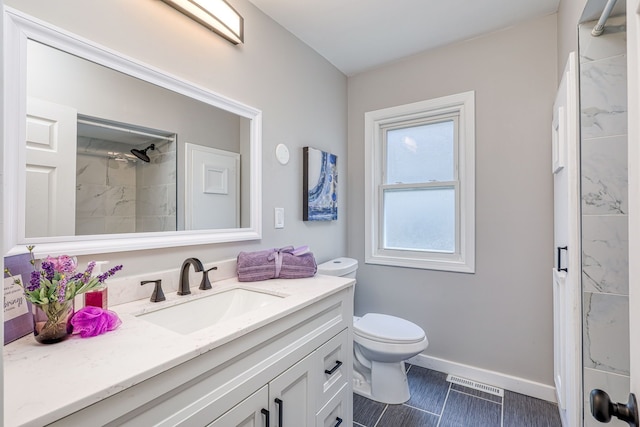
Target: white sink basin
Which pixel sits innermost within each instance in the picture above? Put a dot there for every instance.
(196, 314)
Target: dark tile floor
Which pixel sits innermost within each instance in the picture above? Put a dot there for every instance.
(437, 403)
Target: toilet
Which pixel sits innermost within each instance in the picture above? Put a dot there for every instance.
(381, 344)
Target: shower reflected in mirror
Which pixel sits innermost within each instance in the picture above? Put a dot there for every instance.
(121, 185)
(142, 154)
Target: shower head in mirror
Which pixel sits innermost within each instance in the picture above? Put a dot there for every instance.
(142, 154)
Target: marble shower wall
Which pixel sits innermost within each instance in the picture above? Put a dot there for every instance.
(156, 190)
(105, 195)
(605, 258)
(118, 196)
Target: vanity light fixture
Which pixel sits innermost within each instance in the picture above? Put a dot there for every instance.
(216, 15)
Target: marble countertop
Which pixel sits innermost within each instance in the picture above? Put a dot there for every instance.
(43, 383)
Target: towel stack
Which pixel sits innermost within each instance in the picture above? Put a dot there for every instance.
(284, 263)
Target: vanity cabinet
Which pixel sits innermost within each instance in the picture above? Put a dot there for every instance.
(297, 367)
(313, 392)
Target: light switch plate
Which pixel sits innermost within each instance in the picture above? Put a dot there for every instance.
(278, 215)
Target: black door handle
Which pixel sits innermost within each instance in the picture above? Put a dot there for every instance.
(559, 252)
(265, 412)
(603, 409)
(339, 421)
(280, 405)
(332, 370)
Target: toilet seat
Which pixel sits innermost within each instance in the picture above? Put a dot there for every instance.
(383, 328)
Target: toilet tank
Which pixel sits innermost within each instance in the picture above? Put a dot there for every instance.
(343, 267)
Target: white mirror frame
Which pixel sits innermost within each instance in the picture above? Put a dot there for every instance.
(19, 28)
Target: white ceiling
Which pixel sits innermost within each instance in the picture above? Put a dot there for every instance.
(356, 35)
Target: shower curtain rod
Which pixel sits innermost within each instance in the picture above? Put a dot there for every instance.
(599, 28)
(135, 132)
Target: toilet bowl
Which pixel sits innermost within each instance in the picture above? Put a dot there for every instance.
(381, 345)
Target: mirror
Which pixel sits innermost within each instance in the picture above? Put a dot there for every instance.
(107, 154)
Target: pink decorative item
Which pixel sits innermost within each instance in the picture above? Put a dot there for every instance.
(97, 298)
(91, 321)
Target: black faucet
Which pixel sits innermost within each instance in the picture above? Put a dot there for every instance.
(183, 286)
(157, 294)
(205, 283)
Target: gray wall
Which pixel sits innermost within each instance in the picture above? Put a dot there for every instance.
(500, 318)
(569, 13)
(301, 95)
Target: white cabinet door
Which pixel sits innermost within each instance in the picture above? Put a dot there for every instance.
(251, 412)
(292, 395)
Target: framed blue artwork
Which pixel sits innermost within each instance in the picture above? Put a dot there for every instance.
(320, 185)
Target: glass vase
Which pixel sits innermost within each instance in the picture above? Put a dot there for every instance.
(51, 321)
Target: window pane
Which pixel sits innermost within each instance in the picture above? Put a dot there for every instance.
(422, 219)
(420, 153)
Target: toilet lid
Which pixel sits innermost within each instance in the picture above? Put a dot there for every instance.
(390, 329)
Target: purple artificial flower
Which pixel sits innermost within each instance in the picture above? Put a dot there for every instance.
(88, 271)
(49, 270)
(111, 272)
(67, 264)
(63, 263)
(62, 289)
(34, 283)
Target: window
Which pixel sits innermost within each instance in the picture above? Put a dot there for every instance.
(419, 198)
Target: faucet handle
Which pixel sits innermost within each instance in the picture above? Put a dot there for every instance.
(205, 283)
(157, 294)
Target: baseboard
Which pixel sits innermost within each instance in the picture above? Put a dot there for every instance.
(497, 379)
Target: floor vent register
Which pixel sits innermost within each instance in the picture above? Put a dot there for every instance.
(475, 385)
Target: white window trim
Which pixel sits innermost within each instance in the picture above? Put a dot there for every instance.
(463, 260)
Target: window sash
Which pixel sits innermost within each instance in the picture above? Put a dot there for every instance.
(426, 119)
(401, 123)
(382, 237)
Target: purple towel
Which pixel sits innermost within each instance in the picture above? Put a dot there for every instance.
(284, 263)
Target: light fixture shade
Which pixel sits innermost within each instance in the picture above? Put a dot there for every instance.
(216, 15)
